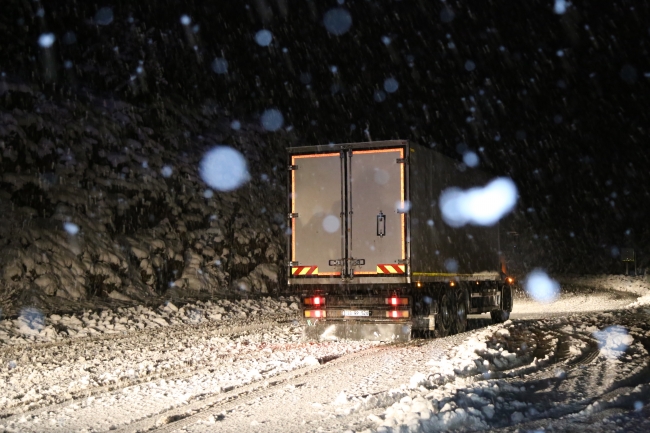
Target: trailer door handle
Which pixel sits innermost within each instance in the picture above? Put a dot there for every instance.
(381, 224)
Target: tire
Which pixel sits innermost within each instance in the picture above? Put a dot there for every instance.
(444, 317)
(507, 298)
(461, 307)
(421, 308)
(500, 316)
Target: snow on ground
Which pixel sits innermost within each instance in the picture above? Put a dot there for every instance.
(32, 326)
(582, 294)
(531, 372)
(159, 359)
(573, 303)
(638, 285)
(493, 378)
(223, 366)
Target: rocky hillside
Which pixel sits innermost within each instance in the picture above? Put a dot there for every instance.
(103, 198)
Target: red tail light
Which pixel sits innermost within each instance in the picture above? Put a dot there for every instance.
(397, 301)
(316, 300)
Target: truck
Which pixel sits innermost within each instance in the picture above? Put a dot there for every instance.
(369, 252)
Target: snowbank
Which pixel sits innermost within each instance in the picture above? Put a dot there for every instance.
(490, 380)
(639, 285)
(33, 326)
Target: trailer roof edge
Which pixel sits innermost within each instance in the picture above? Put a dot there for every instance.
(324, 148)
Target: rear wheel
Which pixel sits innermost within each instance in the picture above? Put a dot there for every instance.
(500, 316)
(421, 309)
(461, 306)
(444, 318)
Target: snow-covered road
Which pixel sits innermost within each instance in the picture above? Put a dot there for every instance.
(242, 366)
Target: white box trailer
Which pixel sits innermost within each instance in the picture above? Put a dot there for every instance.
(368, 249)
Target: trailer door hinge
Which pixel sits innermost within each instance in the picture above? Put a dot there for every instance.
(403, 262)
(401, 160)
(294, 263)
(292, 167)
(293, 215)
(357, 262)
(335, 262)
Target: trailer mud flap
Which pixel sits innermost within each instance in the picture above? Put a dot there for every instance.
(327, 331)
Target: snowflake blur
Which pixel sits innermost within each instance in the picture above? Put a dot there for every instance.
(391, 85)
(480, 205)
(263, 38)
(46, 40)
(541, 287)
(337, 21)
(470, 159)
(104, 16)
(71, 228)
(559, 7)
(166, 171)
(331, 223)
(272, 120)
(220, 65)
(224, 168)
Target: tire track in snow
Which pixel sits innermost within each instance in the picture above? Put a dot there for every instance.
(65, 399)
(184, 416)
(590, 385)
(173, 331)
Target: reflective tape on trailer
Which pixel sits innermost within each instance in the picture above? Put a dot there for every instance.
(391, 269)
(304, 270)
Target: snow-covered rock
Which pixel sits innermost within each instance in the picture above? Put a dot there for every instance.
(92, 215)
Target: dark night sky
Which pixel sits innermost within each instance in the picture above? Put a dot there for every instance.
(559, 102)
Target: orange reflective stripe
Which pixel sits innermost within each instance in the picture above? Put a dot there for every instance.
(315, 155)
(359, 152)
(402, 198)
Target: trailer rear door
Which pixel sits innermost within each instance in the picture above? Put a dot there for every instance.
(316, 214)
(376, 199)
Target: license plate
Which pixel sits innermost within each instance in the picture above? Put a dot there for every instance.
(356, 313)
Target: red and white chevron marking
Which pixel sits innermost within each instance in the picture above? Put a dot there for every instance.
(391, 269)
(304, 270)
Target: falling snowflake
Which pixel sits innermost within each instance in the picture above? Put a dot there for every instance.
(337, 21)
(104, 16)
(263, 38)
(272, 119)
(71, 228)
(46, 40)
(224, 168)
